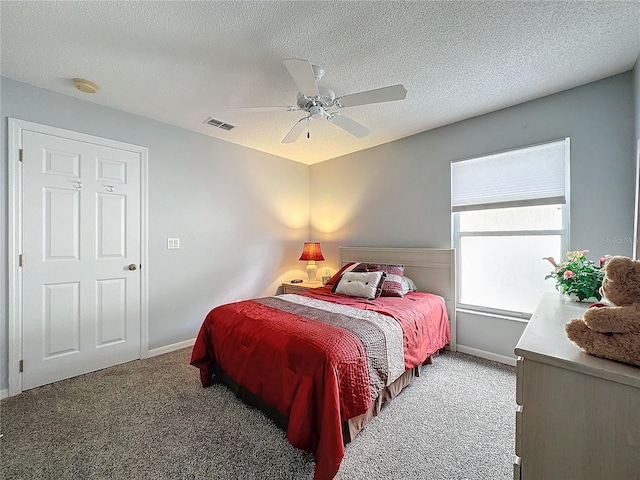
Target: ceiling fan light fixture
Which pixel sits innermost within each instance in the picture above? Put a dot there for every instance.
(316, 112)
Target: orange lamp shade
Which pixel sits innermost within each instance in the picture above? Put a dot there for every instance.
(311, 251)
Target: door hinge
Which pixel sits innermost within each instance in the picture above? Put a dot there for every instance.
(21, 260)
(21, 366)
(21, 155)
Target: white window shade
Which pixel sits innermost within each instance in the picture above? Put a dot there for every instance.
(533, 175)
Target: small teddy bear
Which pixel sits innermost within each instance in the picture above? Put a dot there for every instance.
(613, 332)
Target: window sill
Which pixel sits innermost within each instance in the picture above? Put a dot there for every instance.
(484, 313)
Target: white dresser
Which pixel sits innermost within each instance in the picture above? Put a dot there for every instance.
(578, 415)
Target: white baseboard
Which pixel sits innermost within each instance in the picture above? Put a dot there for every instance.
(173, 347)
(488, 355)
(4, 393)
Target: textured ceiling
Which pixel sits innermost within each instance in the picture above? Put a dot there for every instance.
(182, 62)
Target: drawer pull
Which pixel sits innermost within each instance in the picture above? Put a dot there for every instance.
(519, 431)
(519, 373)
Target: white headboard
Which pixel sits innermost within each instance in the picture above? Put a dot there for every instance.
(432, 269)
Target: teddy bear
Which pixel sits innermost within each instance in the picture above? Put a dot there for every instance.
(613, 331)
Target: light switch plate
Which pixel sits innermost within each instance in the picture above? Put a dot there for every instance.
(173, 243)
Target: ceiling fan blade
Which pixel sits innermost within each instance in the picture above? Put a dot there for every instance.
(295, 132)
(262, 109)
(351, 126)
(302, 73)
(379, 95)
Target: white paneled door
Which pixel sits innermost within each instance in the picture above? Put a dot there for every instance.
(81, 257)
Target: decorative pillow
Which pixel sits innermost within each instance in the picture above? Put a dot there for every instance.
(408, 286)
(392, 286)
(360, 284)
(347, 268)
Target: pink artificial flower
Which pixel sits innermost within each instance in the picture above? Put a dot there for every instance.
(568, 274)
(604, 260)
(551, 260)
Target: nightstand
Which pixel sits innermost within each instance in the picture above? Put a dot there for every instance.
(288, 287)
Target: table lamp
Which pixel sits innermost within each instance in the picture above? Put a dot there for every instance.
(311, 253)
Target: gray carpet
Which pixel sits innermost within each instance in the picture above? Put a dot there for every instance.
(151, 419)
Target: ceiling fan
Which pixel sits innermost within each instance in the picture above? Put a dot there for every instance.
(321, 102)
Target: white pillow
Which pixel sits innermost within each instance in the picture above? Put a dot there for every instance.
(361, 284)
(408, 286)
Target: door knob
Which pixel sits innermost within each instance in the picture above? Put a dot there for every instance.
(132, 267)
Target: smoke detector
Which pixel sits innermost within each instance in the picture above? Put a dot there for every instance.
(85, 86)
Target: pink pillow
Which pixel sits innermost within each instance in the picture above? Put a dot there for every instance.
(392, 286)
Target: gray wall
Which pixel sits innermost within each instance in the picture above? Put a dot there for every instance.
(398, 194)
(241, 215)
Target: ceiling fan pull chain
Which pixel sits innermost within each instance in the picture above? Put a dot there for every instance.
(308, 124)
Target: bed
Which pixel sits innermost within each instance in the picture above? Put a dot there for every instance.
(320, 364)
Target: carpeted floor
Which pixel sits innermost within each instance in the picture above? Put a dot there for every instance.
(151, 419)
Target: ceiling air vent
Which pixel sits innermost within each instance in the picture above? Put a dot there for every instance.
(219, 123)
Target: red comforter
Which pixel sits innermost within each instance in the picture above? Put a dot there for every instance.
(313, 372)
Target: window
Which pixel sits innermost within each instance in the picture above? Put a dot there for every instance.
(509, 211)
